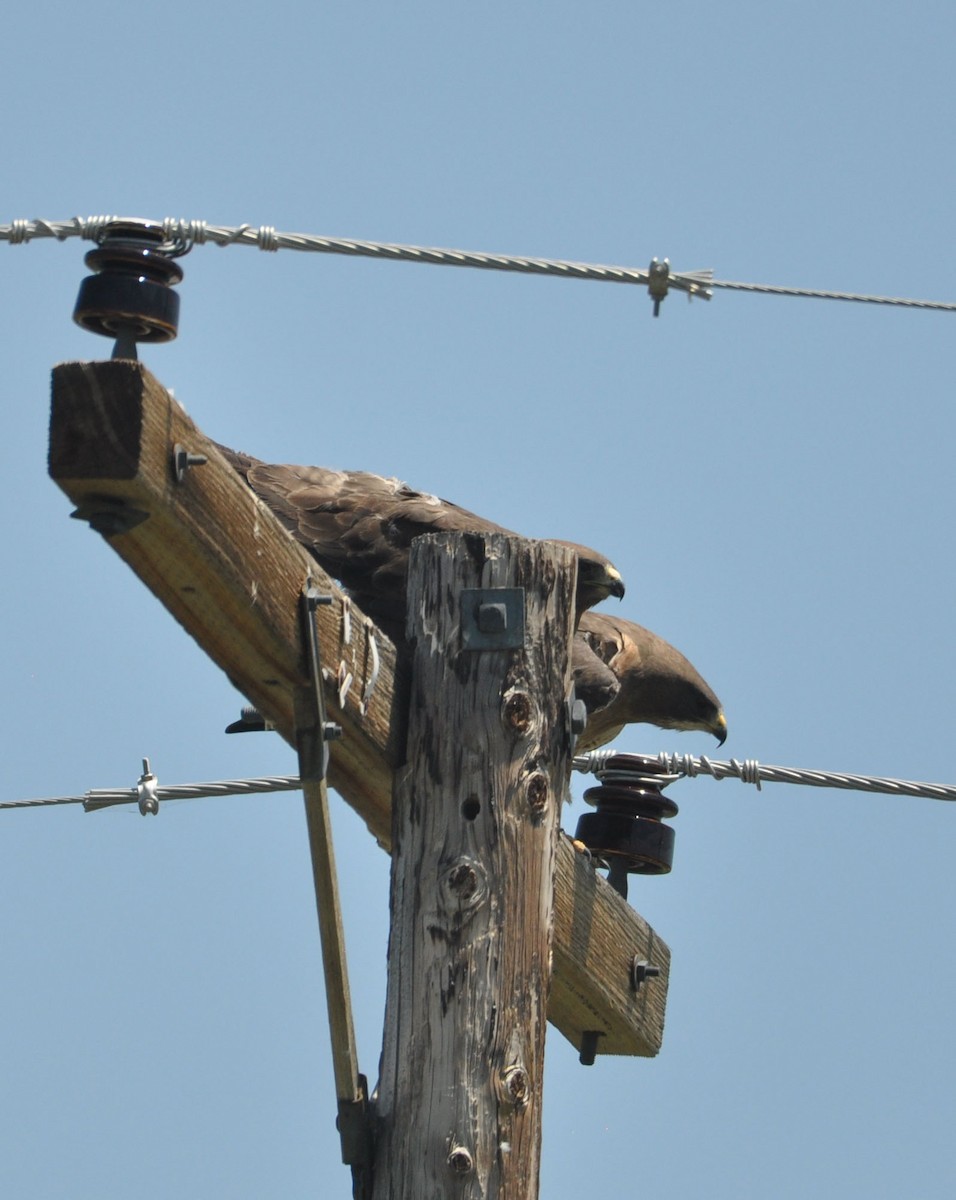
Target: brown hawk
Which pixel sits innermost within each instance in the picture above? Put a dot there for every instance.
(360, 527)
(657, 684)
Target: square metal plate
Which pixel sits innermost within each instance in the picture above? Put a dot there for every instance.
(492, 618)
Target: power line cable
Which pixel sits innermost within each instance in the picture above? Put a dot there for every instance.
(658, 277)
(149, 794)
(751, 771)
(147, 787)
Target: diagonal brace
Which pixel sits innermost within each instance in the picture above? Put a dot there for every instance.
(313, 732)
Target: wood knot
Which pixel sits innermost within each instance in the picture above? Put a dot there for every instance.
(463, 880)
(516, 1088)
(462, 890)
(460, 1160)
(538, 794)
(518, 712)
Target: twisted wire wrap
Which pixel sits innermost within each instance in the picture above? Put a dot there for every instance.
(751, 771)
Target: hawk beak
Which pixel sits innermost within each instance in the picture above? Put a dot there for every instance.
(720, 728)
(615, 585)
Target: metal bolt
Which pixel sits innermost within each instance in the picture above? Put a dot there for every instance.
(589, 1042)
(183, 460)
(642, 970)
(492, 618)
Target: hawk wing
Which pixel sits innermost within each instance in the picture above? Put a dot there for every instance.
(360, 528)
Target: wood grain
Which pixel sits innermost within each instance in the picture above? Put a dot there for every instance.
(475, 827)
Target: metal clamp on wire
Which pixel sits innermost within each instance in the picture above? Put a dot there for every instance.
(145, 794)
(658, 282)
(660, 279)
(146, 788)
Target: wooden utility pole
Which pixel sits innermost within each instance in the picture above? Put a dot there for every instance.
(475, 827)
(121, 449)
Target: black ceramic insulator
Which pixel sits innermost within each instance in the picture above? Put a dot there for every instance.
(627, 829)
(131, 295)
(645, 847)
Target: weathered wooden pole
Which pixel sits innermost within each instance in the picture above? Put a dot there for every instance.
(475, 825)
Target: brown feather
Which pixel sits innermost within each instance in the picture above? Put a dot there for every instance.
(594, 681)
(360, 527)
(658, 685)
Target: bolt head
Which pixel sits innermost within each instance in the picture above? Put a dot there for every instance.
(492, 618)
(579, 717)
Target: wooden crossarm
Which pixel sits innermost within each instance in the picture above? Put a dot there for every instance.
(231, 575)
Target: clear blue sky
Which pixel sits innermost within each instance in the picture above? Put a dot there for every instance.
(773, 477)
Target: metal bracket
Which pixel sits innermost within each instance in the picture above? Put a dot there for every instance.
(492, 618)
(109, 515)
(355, 1128)
(577, 718)
(250, 721)
(313, 737)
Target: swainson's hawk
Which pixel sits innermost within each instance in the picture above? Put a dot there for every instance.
(657, 683)
(360, 526)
